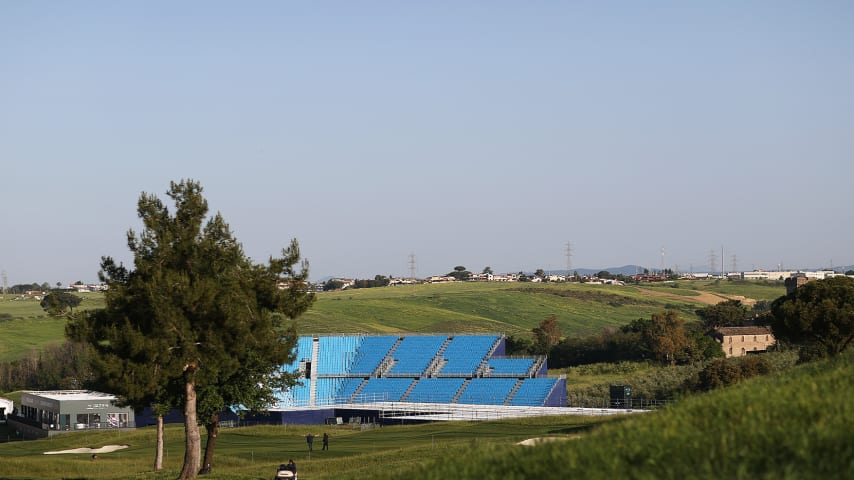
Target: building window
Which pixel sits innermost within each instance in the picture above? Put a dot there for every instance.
(730, 350)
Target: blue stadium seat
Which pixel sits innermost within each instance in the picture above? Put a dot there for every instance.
(487, 391)
(518, 367)
(384, 389)
(533, 392)
(435, 390)
(414, 354)
(465, 353)
(370, 354)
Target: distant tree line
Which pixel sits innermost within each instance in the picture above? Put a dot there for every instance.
(28, 287)
(57, 367)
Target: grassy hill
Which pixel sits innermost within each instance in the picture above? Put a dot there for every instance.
(24, 325)
(510, 308)
(795, 424)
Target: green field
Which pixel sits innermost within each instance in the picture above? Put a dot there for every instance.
(513, 309)
(755, 289)
(795, 424)
(24, 325)
(509, 308)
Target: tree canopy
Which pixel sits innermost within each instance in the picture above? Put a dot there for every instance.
(460, 273)
(195, 322)
(546, 335)
(58, 303)
(730, 313)
(818, 316)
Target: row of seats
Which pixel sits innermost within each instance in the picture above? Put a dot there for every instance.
(465, 353)
(509, 366)
(478, 391)
(361, 356)
(414, 354)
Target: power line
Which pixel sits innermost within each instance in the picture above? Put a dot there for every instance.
(412, 268)
(568, 258)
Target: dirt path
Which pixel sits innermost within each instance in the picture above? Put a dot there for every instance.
(705, 298)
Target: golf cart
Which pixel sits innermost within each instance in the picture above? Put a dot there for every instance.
(284, 471)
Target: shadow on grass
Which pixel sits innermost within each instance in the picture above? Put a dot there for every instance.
(574, 429)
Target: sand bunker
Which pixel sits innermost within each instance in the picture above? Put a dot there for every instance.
(104, 449)
(532, 442)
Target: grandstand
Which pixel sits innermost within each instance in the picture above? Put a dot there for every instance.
(422, 375)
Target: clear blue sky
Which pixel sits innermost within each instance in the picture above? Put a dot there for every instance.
(467, 133)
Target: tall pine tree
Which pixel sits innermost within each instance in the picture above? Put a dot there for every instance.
(195, 317)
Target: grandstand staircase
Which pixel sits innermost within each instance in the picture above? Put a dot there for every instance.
(483, 369)
(388, 362)
(461, 390)
(408, 391)
(513, 392)
(312, 389)
(439, 360)
(539, 360)
(357, 392)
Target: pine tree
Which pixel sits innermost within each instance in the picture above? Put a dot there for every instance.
(196, 322)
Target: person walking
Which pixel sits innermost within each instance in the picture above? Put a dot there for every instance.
(309, 439)
(325, 441)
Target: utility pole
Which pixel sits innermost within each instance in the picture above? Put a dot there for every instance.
(568, 259)
(412, 268)
(713, 262)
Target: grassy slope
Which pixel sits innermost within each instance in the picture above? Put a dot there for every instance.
(510, 308)
(513, 309)
(796, 424)
(254, 452)
(757, 290)
(24, 325)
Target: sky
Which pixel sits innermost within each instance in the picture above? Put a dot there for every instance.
(473, 133)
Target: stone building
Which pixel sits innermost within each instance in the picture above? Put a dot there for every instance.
(740, 341)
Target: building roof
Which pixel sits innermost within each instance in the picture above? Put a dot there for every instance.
(73, 395)
(751, 330)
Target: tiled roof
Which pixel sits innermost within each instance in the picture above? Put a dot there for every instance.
(752, 330)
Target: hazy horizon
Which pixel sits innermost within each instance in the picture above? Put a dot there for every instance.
(465, 133)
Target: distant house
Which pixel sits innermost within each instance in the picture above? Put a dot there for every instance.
(740, 341)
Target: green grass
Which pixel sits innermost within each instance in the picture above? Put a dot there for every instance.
(509, 308)
(790, 425)
(755, 289)
(795, 424)
(254, 452)
(513, 309)
(24, 325)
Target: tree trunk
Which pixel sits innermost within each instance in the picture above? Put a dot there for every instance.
(212, 427)
(158, 455)
(192, 441)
